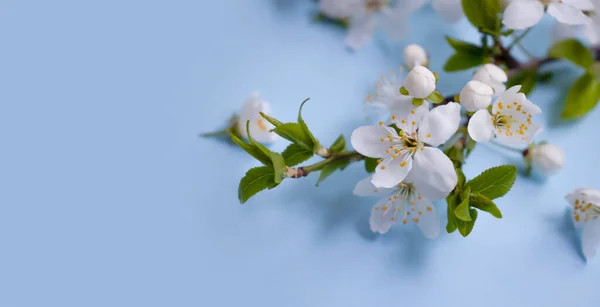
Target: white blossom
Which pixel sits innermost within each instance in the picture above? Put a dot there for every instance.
(449, 10)
(510, 120)
(366, 16)
(476, 95)
(387, 97)
(586, 211)
(408, 201)
(493, 76)
(413, 148)
(420, 82)
(415, 55)
(546, 158)
(522, 14)
(590, 30)
(260, 129)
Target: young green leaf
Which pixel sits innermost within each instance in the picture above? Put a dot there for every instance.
(462, 211)
(483, 14)
(526, 78)
(465, 228)
(461, 61)
(276, 159)
(370, 164)
(256, 180)
(461, 178)
(339, 145)
(295, 154)
(574, 51)
(270, 119)
(582, 98)
(252, 150)
(464, 47)
(435, 97)
(304, 127)
(294, 133)
(494, 182)
(452, 201)
(485, 204)
(331, 167)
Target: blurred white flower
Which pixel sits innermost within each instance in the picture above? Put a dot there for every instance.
(420, 82)
(586, 211)
(590, 30)
(387, 97)
(510, 120)
(493, 76)
(450, 10)
(410, 200)
(366, 16)
(522, 14)
(415, 55)
(545, 157)
(476, 95)
(414, 148)
(260, 129)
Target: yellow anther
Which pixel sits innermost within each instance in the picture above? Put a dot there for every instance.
(394, 156)
(415, 219)
(395, 196)
(428, 135)
(385, 208)
(378, 161)
(577, 202)
(261, 125)
(414, 123)
(429, 208)
(383, 167)
(375, 191)
(412, 203)
(404, 121)
(420, 212)
(509, 106)
(382, 140)
(577, 217)
(394, 117)
(413, 112)
(420, 197)
(380, 123)
(403, 163)
(405, 221)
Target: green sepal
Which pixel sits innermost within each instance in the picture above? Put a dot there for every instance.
(435, 97)
(404, 91)
(417, 102)
(338, 145)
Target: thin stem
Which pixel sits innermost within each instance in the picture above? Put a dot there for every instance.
(517, 150)
(518, 39)
(351, 156)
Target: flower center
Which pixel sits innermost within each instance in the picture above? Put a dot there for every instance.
(585, 210)
(504, 123)
(375, 5)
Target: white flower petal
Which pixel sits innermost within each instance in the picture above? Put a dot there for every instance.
(260, 129)
(403, 107)
(450, 10)
(440, 124)
(394, 23)
(424, 185)
(523, 14)
(367, 140)
(340, 9)
(420, 82)
(390, 172)
(361, 30)
(383, 217)
(567, 14)
(429, 220)
(481, 128)
(590, 239)
(435, 168)
(366, 188)
(584, 5)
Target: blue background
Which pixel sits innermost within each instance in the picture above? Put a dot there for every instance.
(109, 198)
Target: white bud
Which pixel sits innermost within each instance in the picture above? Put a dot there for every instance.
(260, 128)
(493, 76)
(420, 82)
(340, 9)
(476, 95)
(415, 55)
(546, 158)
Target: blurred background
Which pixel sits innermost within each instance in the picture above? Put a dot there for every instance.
(108, 197)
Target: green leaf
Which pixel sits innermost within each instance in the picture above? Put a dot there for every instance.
(339, 145)
(270, 119)
(464, 47)
(276, 159)
(526, 78)
(461, 178)
(483, 14)
(294, 133)
(507, 32)
(595, 70)
(485, 204)
(331, 167)
(435, 97)
(452, 201)
(462, 211)
(320, 17)
(304, 127)
(404, 91)
(461, 61)
(256, 180)
(252, 150)
(295, 154)
(465, 228)
(582, 98)
(370, 164)
(494, 182)
(574, 51)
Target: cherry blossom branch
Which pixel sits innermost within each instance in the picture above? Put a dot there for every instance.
(303, 171)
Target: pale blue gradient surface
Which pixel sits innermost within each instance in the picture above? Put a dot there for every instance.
(109, 198)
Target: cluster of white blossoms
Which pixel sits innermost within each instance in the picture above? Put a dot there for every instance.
(488, 81)
(411, 171)
(366, 16)
(586, 210)
(522, 14)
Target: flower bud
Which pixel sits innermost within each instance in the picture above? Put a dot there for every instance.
(546, 158)
(420, 82)
(260, 129)
(415, 55)
(476, 95)
(493, 76)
